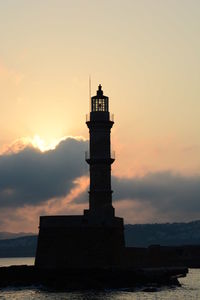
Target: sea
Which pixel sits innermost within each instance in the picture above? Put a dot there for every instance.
(189, 290)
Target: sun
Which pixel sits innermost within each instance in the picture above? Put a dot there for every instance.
(50, 144)
(36, 142)
(42, 145)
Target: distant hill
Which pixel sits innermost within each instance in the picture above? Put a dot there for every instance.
(10, 235)
(143, 235)
(168, 234)
(18, 247)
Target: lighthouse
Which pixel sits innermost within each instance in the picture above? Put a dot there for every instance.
(100, 157)
(96, 238)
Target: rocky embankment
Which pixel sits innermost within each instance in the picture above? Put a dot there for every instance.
(75, 279)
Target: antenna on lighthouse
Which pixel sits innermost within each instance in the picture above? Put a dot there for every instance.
(89, 92)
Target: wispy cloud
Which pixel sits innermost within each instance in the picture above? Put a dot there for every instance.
(10, 75)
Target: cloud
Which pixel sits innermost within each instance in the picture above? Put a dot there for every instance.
(10, 75)
(170, 196)
(162, 188)
(31, 176)
(34, 183)
(26, 217)
(156, 197)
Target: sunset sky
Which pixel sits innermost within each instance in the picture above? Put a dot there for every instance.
(146, 55)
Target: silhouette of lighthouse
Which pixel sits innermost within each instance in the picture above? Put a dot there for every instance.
(99, 157)
(96, 238)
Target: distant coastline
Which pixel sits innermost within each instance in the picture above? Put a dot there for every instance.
(138, 236)
(16, 261)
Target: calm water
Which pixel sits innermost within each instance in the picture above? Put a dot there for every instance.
(16, 261)
(190, 289)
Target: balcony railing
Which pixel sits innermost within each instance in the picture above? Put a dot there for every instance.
(111, 118)
(87, 155)
(87, 117)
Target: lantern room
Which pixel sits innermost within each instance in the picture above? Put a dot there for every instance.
(99, 102)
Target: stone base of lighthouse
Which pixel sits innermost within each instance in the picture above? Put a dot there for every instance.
(79, 242)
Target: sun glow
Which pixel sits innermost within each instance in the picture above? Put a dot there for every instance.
(36, 142)
(42, 145)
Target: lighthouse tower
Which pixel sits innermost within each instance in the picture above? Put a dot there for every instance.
(99, 157)
(96, 238)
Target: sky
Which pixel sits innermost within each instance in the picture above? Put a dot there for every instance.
(145, 53)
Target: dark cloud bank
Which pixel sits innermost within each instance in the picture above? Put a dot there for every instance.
(170, 194)
(32, 177)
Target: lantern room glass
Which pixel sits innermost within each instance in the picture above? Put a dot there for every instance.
(99, 102)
